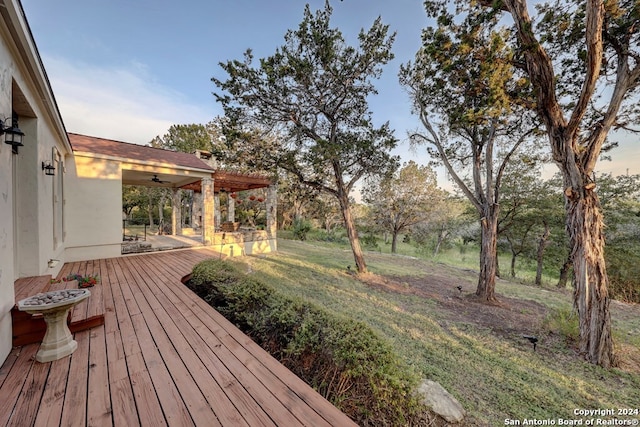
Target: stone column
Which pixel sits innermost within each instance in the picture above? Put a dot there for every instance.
(217, 214)
(208, 215)
(231, 209)
(176, 213)
(272, 211)
(196, 212)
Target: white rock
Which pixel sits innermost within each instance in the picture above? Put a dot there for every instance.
(441, 402)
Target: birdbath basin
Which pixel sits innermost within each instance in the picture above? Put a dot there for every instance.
(54, 307)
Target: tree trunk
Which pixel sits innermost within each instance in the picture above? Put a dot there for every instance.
(488, 255)
(150, 213)
(542, 245)
(161, 209)
(352, 233)
(590, 281)
(564, 273)
(441, 236)
(514, 254)
(394, 241)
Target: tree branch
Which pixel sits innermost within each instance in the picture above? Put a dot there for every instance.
(435, 141)
(594, 22)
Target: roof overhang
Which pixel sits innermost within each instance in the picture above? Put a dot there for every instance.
(27, 52)
(139, 172)
(230, 182)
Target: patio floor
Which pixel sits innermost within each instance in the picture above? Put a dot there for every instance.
(162, 357)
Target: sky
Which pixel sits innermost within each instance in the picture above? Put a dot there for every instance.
(129, 69)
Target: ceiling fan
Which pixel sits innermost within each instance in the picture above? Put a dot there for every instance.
(158, 180)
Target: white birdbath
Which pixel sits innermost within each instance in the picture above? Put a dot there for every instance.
(54, 307)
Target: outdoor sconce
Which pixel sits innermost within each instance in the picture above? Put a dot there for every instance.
(48, 168)
(13, 134)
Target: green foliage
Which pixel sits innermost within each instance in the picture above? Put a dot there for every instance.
(563, 321)
(185, 138)
(370, 240)
(624, 270)
(300, 228)
(334, 236)
(305, 109)
(494, 375)
(342, 358)
(404, 199)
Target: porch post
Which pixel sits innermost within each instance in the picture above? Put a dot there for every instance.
(217, 213)
(208, 215)
(272, 211)
(231, 209)
(176, 213)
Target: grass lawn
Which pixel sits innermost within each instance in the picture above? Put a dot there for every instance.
(474, 350)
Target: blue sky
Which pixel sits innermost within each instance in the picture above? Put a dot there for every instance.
(129, 69)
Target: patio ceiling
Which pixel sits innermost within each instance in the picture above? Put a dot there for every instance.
(233, 181)
(168, 178)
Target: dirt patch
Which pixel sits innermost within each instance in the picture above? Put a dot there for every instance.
(509, 318)
(457, 302)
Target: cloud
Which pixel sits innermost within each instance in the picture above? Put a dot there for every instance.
(122, 103)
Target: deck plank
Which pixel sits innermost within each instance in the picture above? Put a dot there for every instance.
(199, 408)
(162, 357)
(74, 411)
(205, 367)
(50, 410)
(248, 353)
(25, 412)
(99, 399)
(13, 383)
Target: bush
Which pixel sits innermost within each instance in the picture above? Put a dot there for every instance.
(332, 236)
(370, 241)
(344, 360)
(564, 322)
(300, 228)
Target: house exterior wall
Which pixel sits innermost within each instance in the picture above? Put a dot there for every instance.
(6, 207)
(26, 193)
(93, 208)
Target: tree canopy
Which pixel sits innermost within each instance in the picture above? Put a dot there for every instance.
(582, 59)
(304, 109)
(403, 200)
(470, 99)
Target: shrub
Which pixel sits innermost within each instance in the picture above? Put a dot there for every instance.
(300, 228)
(564, 322)
(332, 236)
(369, 240)
(344, 360)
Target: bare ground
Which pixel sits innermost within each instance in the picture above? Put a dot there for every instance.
(509, 318)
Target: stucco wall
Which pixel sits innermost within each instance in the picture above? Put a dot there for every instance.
(6, 208)
(26, 193)
(93, 208)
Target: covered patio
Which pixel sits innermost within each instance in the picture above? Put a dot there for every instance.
(162, 357)
(102, 166)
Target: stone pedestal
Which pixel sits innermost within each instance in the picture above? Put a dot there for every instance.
(58, 341)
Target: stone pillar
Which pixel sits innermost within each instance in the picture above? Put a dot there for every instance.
(217, 213)
(231, 209)
(176, 213)
(208, 215)
(196, 212)
(272, 211)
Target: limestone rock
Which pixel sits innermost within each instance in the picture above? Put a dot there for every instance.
(441, 402)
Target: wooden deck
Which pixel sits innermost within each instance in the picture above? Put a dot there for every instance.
(162, 357)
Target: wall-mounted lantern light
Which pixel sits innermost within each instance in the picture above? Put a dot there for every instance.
(12, 134)
(48, 168)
